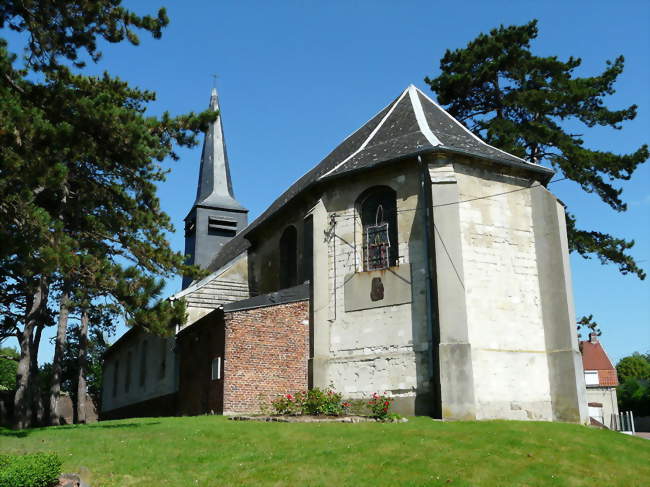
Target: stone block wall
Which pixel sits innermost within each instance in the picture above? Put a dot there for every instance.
(504, 309)
(266, 354)
(381, 347)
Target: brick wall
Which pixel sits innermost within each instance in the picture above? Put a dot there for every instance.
(266, 354)
(197, 346)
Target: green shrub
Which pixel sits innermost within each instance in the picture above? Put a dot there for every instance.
(357, 407)
(320, 402)
(33, 470)
(314, 402)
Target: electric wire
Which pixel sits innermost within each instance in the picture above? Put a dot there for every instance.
(353, 217)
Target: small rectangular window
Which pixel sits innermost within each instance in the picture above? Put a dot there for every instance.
(591, 377)
(216, 368)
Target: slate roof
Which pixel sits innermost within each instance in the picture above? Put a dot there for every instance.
(215, 186)
(410, 125)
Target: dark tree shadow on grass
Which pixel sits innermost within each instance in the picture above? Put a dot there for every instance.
(23, 433)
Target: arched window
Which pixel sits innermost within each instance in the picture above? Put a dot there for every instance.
(289, 257)
(378, 209)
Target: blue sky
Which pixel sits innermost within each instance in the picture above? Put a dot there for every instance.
(295, 78)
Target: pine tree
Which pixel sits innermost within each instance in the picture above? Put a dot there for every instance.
(518, 102)
(80, 160)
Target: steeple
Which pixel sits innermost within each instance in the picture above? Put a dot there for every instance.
(215, 217)
(215, 186)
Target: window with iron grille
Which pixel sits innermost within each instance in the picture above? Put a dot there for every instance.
(378, 210)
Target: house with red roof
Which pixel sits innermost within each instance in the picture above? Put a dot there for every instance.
(601, 381)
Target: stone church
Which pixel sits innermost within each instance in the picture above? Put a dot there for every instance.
(414, 259)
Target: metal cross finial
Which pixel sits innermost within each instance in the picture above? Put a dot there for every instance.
(214, 82)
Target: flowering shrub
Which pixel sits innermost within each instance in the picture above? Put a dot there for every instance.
(315, 402)
(379, 406)
(288, 404)
(319, 402)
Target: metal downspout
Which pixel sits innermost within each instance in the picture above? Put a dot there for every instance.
(433, 335)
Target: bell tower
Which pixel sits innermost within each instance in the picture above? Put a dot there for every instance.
(215, 217)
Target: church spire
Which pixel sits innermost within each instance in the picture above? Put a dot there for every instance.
(215, 186)
(216, 217)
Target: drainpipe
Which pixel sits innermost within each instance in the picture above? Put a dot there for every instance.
(433, 336)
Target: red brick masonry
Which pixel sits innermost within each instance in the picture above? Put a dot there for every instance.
(266, 354)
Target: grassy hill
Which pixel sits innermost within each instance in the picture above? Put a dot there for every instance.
(210, 450)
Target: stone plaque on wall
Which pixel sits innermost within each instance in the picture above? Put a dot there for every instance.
(374, 289)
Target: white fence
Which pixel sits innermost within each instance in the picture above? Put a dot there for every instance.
(623, 421)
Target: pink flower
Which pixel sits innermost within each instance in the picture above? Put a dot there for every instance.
(290, 397)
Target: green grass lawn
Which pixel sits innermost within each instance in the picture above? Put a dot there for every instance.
(210, 450)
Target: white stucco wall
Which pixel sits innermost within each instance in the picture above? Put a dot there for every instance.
(607, 397)
(504, 315)
(156, 382)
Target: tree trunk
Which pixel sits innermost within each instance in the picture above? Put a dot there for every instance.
(24, 374)
(59, 348)
(81, 383)
(35, 385)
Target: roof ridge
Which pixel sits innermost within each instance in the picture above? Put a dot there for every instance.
(420, 118)
(370, 137)
(462, 126)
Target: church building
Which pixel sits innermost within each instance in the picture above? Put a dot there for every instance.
(415, 260)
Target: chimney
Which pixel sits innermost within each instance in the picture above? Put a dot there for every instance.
(593, 337)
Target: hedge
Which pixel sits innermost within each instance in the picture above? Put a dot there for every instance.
(33, 470)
